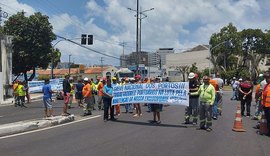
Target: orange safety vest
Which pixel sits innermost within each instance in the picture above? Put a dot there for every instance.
(266, 96)
(100, 88)
(87, 92)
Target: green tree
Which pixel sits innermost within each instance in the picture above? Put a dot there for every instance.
(55, 55)
(32, 42)
(254, 47)
(226, 45)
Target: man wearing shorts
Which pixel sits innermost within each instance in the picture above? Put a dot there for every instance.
(66, 91)
(47, 98)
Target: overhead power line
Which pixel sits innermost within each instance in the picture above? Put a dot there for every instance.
(98, 52)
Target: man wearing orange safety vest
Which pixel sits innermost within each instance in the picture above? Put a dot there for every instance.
(266, 100)
(87, 95)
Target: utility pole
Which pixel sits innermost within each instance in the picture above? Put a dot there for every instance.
(101, 63)
(137, 38)
(138, 16)
(69, 64)
(123, 58)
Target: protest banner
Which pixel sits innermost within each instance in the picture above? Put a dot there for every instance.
(174, 93)
(36, 86)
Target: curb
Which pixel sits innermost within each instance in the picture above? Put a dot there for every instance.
(24, 126)
(10, 101)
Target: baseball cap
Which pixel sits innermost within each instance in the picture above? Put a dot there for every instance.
(86, 79)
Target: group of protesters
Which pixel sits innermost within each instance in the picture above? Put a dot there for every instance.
(85, 95)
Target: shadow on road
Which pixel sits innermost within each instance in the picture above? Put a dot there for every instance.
(150, 124)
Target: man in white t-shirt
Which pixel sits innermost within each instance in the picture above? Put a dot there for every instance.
(235, 85)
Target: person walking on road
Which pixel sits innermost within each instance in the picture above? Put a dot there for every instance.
(266, 100)
(47, 99)
(107, 100)
(88, 98)
(245, 95)
(192, 109)
(207, 97)
(66, 91)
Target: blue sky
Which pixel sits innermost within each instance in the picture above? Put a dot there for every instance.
(178, 24)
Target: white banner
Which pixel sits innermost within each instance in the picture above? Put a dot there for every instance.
(174, 93)
(36, 86)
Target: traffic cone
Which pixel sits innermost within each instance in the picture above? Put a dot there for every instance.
(238, 127)
(263, 125)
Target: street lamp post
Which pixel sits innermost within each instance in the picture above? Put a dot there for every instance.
(210, 51)
(69, 64)
(139, 17)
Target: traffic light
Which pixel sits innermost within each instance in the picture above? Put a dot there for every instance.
(90, 39)
(83, 39)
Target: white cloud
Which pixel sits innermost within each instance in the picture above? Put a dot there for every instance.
(13, 6)
(180, 24)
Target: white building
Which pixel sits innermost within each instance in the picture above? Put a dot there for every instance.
(198, 55)
(158, 59)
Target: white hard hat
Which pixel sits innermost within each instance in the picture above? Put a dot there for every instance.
(86, 79)
(191, 75)
(70, 78)
(260, 75)
(240, 79)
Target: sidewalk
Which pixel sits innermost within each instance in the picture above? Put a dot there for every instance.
(10, 101)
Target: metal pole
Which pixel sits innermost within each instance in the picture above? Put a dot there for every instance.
(137, 38)
(209, 49)
(69, 64)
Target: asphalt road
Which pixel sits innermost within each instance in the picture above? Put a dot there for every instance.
(130, 136)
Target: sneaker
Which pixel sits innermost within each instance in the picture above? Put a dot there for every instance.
(135, 115)
(153, 121)
(214, 117)
(208, 129)
(158, 122)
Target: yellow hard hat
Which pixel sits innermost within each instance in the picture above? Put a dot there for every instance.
(114, 78)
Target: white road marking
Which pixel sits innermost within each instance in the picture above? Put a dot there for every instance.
(43, 129)
(1, 116)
